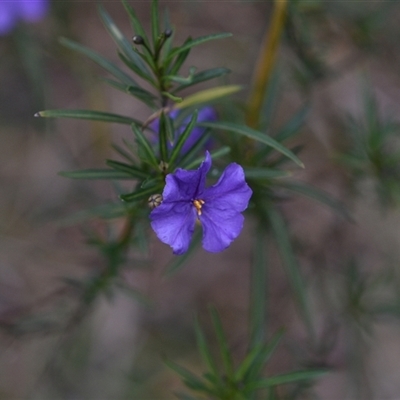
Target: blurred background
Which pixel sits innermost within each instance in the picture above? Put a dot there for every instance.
(339, 60)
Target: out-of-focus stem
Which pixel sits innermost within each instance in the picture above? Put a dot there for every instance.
(265, 63)
(126, 233)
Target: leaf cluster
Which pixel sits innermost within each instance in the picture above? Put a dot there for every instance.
(372, 151)
(223, 380)
(153, 59)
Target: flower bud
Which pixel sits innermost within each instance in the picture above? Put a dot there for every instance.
(137, 39)
(154, 200)
(163, 166)
(167, 33)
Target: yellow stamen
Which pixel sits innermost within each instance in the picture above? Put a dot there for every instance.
(198, 204)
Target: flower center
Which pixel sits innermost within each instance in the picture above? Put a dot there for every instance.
(198, 203)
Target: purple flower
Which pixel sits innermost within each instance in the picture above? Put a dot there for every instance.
(206, 114)
(218, 207)
(11, 11)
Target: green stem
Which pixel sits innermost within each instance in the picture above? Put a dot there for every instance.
(114, 252)
(265, 63)
(258, 291)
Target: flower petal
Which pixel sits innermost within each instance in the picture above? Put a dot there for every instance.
(33, 10)
(8, 17)
(221, 212)
(174, 224)
(218, 207)
(187, 185)
(230, 192)
(206, 114)
(220, 227)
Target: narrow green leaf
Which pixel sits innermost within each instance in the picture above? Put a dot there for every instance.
(272, 97)
(174, 69)
(89, 115)
(167, 25)
(140, 194)
(121, 41)
(132, 147)
(258, 290)
(291, 128)
(193, 381)
(265, 173)
(182, 371)
(141, 242)
(355, 163)
(171, 131)
(281, 234)
(293, 125)
(123, 152)
(126, 168)
(223, 343)
(135, 91)
(278, 162)
(96, 174)
(255, 135)
(208, 95)
(167, 20)
(187, 158)
(214, 380)
(203, 76)
(175, 99)
(100, 60)
(136, 25)
(257, 359)
(155, 23)
(105, 211)
(163, 137)
(318, 195)
(179, 262)
(131, 65)
(205, 351)
(147, 56)
(179, 79)
(196, 42)
(291, 377)
(149, 182)
(145, 146)
(182, 139)
(214, 155)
